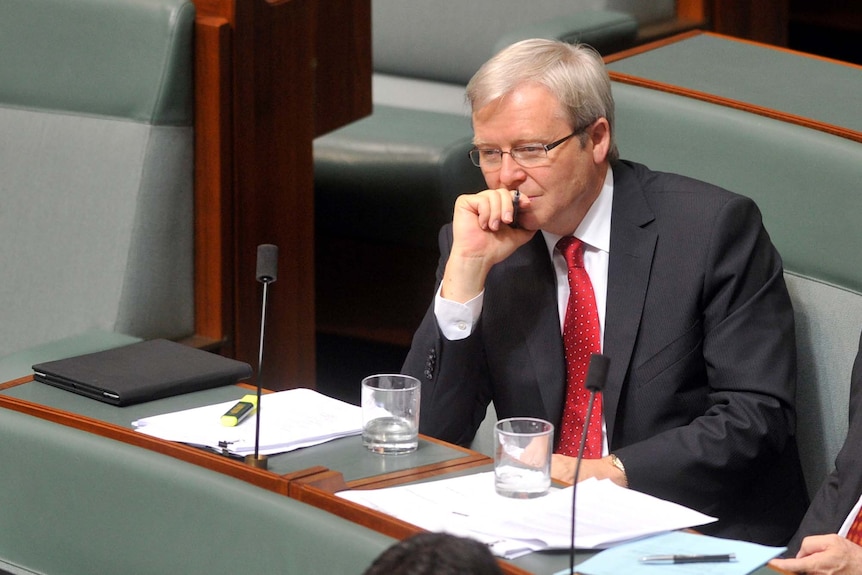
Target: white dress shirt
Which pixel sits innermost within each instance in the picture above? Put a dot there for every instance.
(457, 320)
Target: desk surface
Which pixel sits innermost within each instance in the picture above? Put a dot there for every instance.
(359, 467)
(755, 76)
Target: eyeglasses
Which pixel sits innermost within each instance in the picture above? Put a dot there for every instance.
(528, 156)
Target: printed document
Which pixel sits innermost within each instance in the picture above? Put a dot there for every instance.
(289, 420)
(469, 506)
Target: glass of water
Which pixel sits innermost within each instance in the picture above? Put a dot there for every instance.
(390, 413)
(522, 457)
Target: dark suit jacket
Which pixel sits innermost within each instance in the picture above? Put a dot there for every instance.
(699, 402)
(842, 488)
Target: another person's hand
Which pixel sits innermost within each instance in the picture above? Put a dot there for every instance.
(482, 238)
(563, 469)
(824, 555)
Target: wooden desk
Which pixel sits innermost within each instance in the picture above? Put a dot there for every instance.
(766, 80)
(361, 467)
(312, 475)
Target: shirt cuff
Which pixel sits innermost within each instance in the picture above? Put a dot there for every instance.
(456, 320)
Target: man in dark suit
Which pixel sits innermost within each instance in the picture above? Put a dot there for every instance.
(689, 291)
(829, 537)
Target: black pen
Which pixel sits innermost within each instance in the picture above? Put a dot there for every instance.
(516, 206)
(666, 559)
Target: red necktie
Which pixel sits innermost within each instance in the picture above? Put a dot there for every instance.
(855, 533)
(581, 338)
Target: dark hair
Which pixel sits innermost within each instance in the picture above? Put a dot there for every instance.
(437, 554)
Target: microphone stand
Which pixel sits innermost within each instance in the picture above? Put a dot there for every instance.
(597, 373)
(267, 272)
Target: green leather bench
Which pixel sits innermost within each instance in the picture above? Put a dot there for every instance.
(96, 171)
(806, 183)
(75, 503)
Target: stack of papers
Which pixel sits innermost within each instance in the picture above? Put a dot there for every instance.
(290, 419)
(469, 506)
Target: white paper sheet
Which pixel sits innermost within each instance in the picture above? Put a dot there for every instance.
(290, 419)
(606, 513)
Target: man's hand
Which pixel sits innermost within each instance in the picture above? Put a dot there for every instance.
(563, 469)
(481, 239)
(824, 555)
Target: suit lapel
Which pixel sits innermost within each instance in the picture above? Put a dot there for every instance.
(631, 256)
(538, 321)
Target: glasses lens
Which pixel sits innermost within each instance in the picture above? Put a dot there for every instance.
(532, 155)
(485, 158)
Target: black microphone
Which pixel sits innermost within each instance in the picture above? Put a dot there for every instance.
(597, 375)
(267, 263)
(267, 273)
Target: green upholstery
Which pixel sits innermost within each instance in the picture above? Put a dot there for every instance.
(806, 183)
(608, 32)
(96, 168)
(394, 176)
(20, 364)
(128, 59)
(447, 40)
(75, 503)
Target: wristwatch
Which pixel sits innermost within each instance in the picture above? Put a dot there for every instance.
(617, 462)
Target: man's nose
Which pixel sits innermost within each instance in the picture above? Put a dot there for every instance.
(512, 174)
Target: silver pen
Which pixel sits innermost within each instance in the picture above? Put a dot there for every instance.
(667, 559)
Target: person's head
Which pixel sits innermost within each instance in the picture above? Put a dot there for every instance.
(437, 554)
(530, 96)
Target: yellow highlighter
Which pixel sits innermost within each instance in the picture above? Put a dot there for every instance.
(243, 408)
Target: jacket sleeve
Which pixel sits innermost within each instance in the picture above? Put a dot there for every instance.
(453, 374)
(841, 488)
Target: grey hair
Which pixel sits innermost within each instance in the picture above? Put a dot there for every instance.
(573, 73)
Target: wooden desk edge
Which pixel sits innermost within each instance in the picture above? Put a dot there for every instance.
(232, 467)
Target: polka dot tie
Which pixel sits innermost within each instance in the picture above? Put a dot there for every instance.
(855, 533)
(581, 339)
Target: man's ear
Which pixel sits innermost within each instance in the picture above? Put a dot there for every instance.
(600, 136)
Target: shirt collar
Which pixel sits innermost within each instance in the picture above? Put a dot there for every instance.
(595, 229)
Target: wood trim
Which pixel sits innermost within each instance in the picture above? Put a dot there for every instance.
(15, 382)
(213, 174)
(691, 10)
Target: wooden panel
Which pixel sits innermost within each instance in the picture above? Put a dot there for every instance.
(266, 83)
(273, 187)
(761, 20)
(342, 64)
(213, 169)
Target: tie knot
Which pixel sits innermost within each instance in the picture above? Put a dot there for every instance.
(573, 250)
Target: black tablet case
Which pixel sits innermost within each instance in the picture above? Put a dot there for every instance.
(141, 372)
